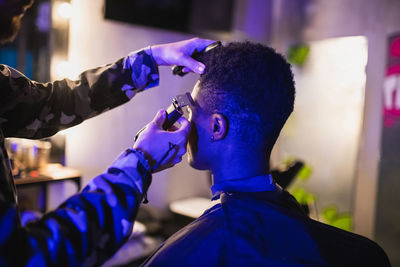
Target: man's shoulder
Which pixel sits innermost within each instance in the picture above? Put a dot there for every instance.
(197, 244)
(208, 225)
(340, 247)
(280, 212)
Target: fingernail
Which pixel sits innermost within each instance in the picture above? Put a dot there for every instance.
(201, 68)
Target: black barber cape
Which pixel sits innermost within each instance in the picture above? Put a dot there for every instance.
(264, 229)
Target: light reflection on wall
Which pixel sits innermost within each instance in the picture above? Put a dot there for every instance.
(64, 10)
(324, 129)
(61, 15)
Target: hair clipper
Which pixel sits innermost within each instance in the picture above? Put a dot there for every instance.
(174, 111)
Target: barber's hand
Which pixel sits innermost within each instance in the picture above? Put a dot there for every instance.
(179, 53)
(156, 142)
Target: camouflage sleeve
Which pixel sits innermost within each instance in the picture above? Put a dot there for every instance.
(87, 228)
(35, 110)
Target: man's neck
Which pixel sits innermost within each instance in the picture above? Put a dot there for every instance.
(240, 164)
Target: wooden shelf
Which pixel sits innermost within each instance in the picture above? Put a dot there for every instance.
(53, 172)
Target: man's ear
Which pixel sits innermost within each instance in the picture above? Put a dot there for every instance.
(219, 124)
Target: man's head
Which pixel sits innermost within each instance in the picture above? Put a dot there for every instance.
(242, 101)
(11, 13)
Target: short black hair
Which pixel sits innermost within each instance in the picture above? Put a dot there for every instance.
(252, 86)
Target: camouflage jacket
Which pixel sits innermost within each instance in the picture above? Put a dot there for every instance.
(90, 226)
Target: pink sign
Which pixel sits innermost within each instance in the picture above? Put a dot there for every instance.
(391, 85)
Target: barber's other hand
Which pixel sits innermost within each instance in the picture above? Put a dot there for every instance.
(179, 53)
(155, 142)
